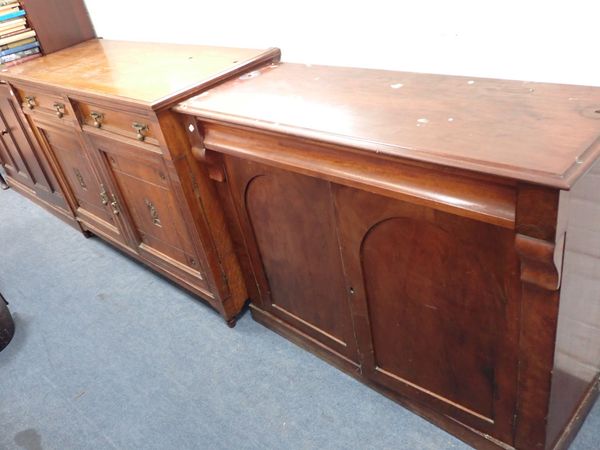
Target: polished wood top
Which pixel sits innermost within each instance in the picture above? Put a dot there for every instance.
(537, 132)
(146, 72)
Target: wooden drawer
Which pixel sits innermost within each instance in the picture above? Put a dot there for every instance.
(46, 104)
(132, 125)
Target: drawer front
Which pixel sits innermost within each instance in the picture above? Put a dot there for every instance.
(137, 126)
(46, 104)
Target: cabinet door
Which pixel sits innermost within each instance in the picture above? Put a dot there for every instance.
(437, 301)
(23, 160)
(148, 199)
(289, 227)
(95, 204)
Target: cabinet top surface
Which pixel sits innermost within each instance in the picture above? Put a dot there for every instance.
(538, 132)
(139, 71)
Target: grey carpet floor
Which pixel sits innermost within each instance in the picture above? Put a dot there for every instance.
(109, 355)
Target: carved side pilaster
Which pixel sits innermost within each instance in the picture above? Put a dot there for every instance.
(210, 160)
(539, 243)
(538, 265)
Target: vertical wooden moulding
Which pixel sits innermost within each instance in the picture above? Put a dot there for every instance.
(536, 244)
(201, 177)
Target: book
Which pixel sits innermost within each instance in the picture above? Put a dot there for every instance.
(19, 55)
(21, 61)
(8, 2)
(20, 48)
(11, 31)
(12, 15)
(17, 37)
(9, 8)
(12, 23)
(17, 43)
(14, 33)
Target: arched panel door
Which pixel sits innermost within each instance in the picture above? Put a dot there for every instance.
(436, 299)
(290, 230)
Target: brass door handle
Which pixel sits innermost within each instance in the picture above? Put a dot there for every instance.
(103, 195)
(29, 102)
(153, 212)
(140, 128)
(115, 205)
(97, 118)
(60, 109)
(79, 178)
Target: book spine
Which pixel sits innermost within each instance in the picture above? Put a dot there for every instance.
(11, 45)
(19, 55)
(21, 61)
(12, 15)
(20, 48)
(17, 37)
(8, 2)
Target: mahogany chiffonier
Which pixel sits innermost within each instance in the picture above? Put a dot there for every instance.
(96, 116)
(436, 237)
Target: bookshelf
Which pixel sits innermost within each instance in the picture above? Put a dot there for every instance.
(31, 28)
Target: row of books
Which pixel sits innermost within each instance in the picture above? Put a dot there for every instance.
(18, 41)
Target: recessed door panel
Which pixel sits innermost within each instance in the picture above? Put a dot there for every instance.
(93, 197)
(146, 195)
(438, 299)
(24, 161)
(291, 225)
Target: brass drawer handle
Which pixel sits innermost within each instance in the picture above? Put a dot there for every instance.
(4, 132)
(103, 195)
(29, 102)
(97, 118)
(60, 109)
(140, 128)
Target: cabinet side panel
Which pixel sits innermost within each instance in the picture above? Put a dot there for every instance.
(577, 357)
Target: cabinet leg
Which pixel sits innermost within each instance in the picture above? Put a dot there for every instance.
(87, 234)
(3, 184)
(232, 322)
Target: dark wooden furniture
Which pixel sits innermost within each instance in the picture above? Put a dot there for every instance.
(436, 237)
(59, 23)
(7, 324)
(104, 133)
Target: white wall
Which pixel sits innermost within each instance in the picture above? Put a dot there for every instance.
(555, 41)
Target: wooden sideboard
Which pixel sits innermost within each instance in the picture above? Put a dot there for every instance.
(436, 237)
(88, 133)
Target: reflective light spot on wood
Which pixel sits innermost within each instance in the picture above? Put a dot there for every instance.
(249, 75)
(396, 85)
